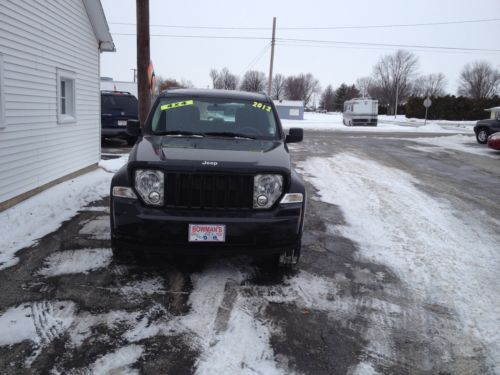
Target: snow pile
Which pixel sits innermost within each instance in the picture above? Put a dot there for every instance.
(232, 344)
(75, 261)
(112, 165)
(26, 222)
(444, 256)
(333, 122)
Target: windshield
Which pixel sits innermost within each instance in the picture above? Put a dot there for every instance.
(214, 117)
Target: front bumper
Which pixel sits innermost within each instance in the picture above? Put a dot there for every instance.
(144, 229)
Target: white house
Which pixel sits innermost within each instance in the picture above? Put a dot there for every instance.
(49, 92)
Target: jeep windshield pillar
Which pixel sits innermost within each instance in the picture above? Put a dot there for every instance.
(210, 173)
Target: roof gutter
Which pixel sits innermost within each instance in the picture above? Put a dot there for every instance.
(99, 24)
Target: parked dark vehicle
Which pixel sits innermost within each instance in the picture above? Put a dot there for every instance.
(210, 173)
(485, 128)
(117, 107)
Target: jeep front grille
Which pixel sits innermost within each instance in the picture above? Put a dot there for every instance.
(208, 191)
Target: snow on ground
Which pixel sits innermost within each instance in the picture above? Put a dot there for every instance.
(39, 322)
(75, 261)
(458, 142)
(118, 362)
(444, 257)
(26, 222)
(97, 229)
(333, 121)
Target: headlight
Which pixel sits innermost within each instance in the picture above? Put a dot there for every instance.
(267, 189)
(149, 184)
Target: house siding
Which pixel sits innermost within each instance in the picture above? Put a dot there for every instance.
(36, 39)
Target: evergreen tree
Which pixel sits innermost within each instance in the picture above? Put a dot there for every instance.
(327, 101)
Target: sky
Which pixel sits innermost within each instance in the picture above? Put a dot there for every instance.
(192, 58)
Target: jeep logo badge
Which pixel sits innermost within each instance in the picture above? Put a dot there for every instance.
(212, 163)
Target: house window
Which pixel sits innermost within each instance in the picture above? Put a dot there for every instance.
(2, 94)
(66, 96)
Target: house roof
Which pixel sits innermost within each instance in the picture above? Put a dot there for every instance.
(100, 25)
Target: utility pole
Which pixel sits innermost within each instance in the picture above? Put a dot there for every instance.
(143, 59)
(397, 94)
(135, 74)
(270, 83)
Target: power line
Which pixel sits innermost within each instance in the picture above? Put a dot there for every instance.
(388, 45)
(375, 48)
(200, 36)
(256, 59)
(318, 27)
(326, 42)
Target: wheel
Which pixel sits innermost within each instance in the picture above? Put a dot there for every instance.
(482, 136)
(289, 259)
(131, 141)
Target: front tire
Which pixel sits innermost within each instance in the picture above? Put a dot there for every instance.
(131, 141)
(121, 255)
(482, 136)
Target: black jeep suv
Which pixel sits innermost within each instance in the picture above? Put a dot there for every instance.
(117, 107)
(485, 128)
(210, 173)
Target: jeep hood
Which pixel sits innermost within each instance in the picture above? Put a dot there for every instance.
(211, 154)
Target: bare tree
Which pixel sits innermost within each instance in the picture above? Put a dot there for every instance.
(278, 87)
(172, 83)
(364, 84)
(168, 84)
(301, 87)
(214, 74)
(224, 79)
(186, 83)
(429, 85)
(253, 81)
(393, 75)
(479, 80)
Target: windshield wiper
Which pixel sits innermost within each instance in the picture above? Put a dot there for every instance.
(229, 134)
(181, 133)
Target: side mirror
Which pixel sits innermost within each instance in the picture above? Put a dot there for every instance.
(133, 128)
(295, 135)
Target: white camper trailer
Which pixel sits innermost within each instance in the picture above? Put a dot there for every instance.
(361, 111)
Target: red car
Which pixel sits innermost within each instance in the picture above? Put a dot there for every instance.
(494, 141)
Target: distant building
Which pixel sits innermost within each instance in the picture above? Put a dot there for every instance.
(108, 84)
(49, 93)
(494, 112)
(290, 109)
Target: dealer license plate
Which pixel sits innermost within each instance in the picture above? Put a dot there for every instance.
(207, 233)
(122, 122)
